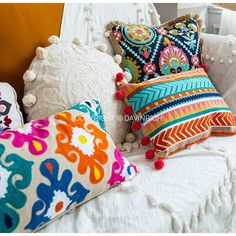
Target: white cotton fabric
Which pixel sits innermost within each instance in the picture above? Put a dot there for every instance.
(219, 53)
(185, 184)
(88, 21)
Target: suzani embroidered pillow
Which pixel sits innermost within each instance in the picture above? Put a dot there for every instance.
(49, 166)
(10, 115)
(152, 51)
(176, 111)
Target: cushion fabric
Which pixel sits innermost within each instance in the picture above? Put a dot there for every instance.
(179, 110)
(151, 51)
(50, 166)
(219, 53)
(68, 74)
(10, 115)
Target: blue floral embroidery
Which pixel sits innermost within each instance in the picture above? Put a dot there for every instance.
(93, 108)
(55, 198)
(11, 195)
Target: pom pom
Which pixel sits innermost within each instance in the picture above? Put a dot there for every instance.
(136, 125)
(54, 39)
(128, 147)
(159, 164)
(77, 42)
(135, 145)
(117, 59)
(149, 154)
(29, 76)
(41, 53)
(119, 77)
(205, 67)
(128, 110)
(130, 138)
(107, 34)
(145, 141)
(102, 47)
(120, 95)
(128, 76)
(29, 100)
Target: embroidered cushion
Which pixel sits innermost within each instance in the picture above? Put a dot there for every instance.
(10, 115)
(179, 110)
(50, 166)
(64, 74)
(152, 51)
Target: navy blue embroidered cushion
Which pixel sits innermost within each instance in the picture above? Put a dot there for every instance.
(148, 51)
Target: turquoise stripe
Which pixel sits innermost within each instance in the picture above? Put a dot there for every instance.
(186, 118)
(150, 94)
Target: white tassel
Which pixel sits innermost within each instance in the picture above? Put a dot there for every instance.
(194, 223)
(53, 39)
(230, 224)
(151, 200)
(233, 192)
(209, 208)
(227, 182)
(176, 223)
(215, 200)
(29, 76)
(41, 53)
(229, 163)
(128, 187)
(29, 100)
(101, 47)
(186, 228)
(233, 175)
(201, 215)
(117, 59)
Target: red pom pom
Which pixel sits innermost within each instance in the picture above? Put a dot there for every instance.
(149, 154)
(145, 141)
(120, 95)
(159, 164)
(205, 67)
(119, 77)
(136, 125)
(128, 110)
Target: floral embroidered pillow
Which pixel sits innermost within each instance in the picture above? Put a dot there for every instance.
(52, 165)
(10, 115)
(151, 51)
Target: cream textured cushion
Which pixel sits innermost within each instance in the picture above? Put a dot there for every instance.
(63, 74)
(219, 53)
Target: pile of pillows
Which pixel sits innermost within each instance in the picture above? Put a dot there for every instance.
(66, 154)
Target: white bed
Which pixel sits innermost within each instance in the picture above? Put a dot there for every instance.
(197, 183)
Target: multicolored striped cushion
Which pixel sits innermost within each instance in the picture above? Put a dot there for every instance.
(179, 110)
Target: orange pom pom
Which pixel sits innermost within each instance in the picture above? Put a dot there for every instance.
(136, 125)
(128, 110)
(159, 164)
(149, 154)
(119, 77)
(145, 141)
(120, 95)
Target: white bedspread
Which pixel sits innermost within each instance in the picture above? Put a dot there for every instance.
(196, 184)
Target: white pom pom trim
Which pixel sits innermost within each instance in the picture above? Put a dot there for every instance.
(107, 34)
(53, 39)
(29, 100)
(77, 41)
(101, 47)
(117, 59)
(130, 138)
(41, 53)
(29, 76)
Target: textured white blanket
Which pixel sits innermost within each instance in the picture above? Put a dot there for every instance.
(195, 192)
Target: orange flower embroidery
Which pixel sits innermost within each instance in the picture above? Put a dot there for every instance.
(76, 141)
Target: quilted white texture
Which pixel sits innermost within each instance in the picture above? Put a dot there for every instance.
(219, 53)
(88, 20)
(10, 115)
(68, 74)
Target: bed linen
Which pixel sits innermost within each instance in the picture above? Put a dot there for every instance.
(193, 193)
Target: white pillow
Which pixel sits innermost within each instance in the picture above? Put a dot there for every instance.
(64, 74)
(219, 53)
(88, 20)
(10, 115)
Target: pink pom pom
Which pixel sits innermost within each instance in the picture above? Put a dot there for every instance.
(120, 95)
(205, 67)
(128, 110)
(145, 141)
(159, 164)
(149, 154)
(136, 125)
(119, 77)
